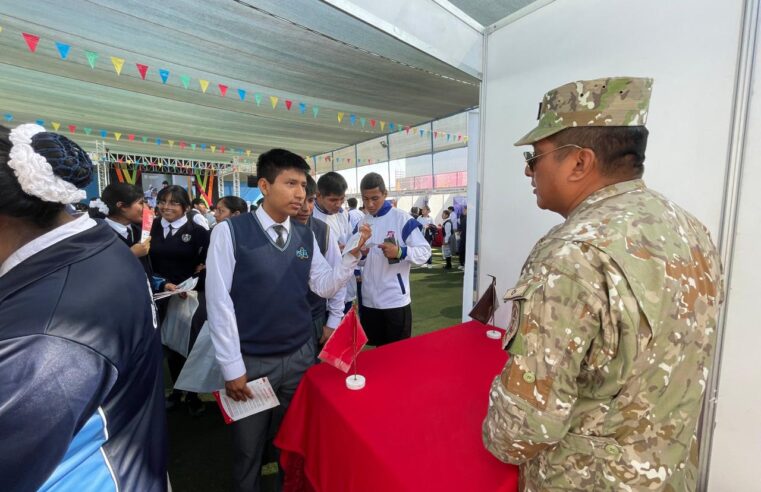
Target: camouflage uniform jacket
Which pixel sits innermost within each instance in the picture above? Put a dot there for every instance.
(611, 341)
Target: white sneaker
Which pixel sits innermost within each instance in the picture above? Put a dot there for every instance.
(461, 268)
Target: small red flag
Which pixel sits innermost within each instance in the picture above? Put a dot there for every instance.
(342, 347)
(72, 128)
(31, 41)
(222, 89)
(372, 123)
(131, 137)
(143, 69)
(288, 104)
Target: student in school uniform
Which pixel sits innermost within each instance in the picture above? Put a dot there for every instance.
(81, 403)
(121, 206)
(229, 206)
(260, 268)
(178, 251)
(331, 192)
(386, 311)
(325, 322)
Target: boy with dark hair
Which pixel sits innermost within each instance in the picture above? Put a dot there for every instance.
(331, 191)
(201, 208)
(386, 312)
(324, 323)
(354, 215)
(260, 269)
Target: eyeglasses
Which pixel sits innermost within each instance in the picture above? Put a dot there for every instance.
(531, 158)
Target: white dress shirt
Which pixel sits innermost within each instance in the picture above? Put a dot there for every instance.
(335, 303)
(80, 224)
(220, 266)
(342, 231)
(121, 229)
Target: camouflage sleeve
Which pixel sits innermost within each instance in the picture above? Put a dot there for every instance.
(555, 318)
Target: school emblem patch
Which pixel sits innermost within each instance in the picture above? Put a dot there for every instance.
(302, 253)
(186, 238)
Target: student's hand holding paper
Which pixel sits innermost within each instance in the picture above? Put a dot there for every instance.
(364, 234)
(238, 390)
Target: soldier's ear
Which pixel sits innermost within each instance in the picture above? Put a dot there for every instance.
(584, 164)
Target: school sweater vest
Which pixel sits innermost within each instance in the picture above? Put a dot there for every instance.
(320, 230)
(270, 286)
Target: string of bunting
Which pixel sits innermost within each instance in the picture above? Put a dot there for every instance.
(146, 73)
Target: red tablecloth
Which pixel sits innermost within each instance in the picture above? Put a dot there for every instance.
(415, 426)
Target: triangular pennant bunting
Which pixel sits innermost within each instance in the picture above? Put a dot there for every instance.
(164, 74)
(391, 126)
(382, 124)
(363, 121)
(56, 125)
(40, 122)
(158, 141)
(193, 146)
(143, 69)
(222, 89)
(103, 133)
(131, 137)
(203, 146)
(302, 108)
(92, 57)
(63, 49)
(117, 136)
(118, 64)
(213, 148)
(352, 119)
(182, 144)
(258, 99)
(340, 117)
(72, 128)
(185, 81)
(144, 139)
(248, 153)
(31, 41)
(242, 94)
(222, 149)
(9, 117)
(204, 85)
(315, 111)
(273, 100)
(288, 104)
(171, 143)
(88, 131)
(373, 123)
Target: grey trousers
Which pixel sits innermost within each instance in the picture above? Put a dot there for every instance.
(250, 434)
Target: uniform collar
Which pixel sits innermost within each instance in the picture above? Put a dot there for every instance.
(267, 222)
(608, 192)
(121, 229)
(384, 209)
(176, 224)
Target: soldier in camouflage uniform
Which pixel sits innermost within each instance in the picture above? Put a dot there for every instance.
(614, 315)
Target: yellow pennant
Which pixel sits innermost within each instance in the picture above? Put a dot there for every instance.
(340, 117)
(171, 143)
(118, 64)
(117, 135)
(273, 100)
(1, 28)
(213, 148)
(204, 85)
(383, 125)
(465, 138)
(56, 125)
(248, 153)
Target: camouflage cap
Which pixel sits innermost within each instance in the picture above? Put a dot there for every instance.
(614, 101)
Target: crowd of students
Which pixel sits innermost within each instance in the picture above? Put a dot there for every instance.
(273, 285)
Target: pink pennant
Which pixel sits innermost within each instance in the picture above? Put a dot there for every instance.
(72, 128)
(143, 69)
(288, 104)
(31, 41)
(372, 123)
(131, 137)
(459, 137)
(222, 89)
(407, 129)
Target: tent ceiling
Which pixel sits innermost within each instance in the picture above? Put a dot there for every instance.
(488, 12)
(300, 50)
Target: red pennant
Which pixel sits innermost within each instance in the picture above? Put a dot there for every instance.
(459, 137)
(345, 344)
(288, 104)
(182, 144)
(131, 137)
(143, 69)
(407, 129)
(222, 149)
(222, 89)
(72, 128)
(372, 123)
(435, 134)
(31, 41)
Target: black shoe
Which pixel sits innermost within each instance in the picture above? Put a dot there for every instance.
(174, 400)
(196, 408)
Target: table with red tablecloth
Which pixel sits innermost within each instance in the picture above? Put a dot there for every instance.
(415, 426)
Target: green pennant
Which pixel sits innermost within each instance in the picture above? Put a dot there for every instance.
(185, 81)
(92, 57)
(315, 110)
(193, 146)
(258, 99)
(144, 139)
(88, 131)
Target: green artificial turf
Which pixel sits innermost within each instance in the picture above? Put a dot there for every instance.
(200, 447)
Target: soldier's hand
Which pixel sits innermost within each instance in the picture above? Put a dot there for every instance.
(237, 389)
(390, 250)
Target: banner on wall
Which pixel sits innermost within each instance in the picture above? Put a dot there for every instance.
(203, 182)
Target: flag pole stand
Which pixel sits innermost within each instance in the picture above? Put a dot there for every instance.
(356, 381)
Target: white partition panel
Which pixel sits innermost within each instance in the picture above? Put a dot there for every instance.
(688, 46)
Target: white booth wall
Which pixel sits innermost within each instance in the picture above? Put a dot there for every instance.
(690, 48)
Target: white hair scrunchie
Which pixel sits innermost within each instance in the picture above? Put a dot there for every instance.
(34, 173)
(100, 206)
